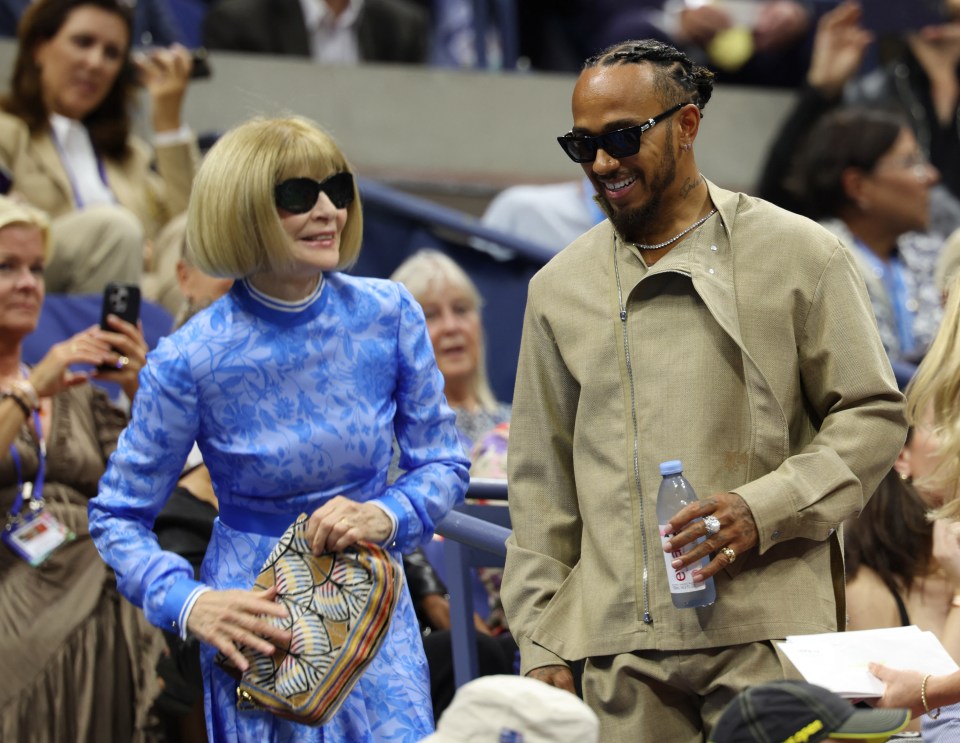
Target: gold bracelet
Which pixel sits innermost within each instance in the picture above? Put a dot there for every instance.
(923, 698)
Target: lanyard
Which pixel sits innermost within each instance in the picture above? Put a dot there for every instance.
(27, 490)
(892, 276)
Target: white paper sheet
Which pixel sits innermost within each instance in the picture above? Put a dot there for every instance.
(838, 660)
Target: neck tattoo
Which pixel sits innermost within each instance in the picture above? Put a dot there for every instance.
(665, 243)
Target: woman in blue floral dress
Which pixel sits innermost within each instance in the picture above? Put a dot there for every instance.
(293, 385)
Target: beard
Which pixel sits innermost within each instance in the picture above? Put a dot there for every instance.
(633, 222)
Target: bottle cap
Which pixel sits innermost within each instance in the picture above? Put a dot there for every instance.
(673, 467)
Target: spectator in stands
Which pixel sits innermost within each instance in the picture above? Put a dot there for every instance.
(552, 215)
(77, 661)
(198, 289)
(452, 306)
(901, 569)
(330, 31)
(154, 22)
(293, 386)
(65, 137)
(933, 401)
(862, 174)
(920, 78)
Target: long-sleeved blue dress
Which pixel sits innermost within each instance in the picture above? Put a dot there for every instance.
(291, 405)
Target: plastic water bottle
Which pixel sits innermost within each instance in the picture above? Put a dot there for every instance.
(675, 493)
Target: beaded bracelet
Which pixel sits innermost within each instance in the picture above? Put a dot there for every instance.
(934, 714)
(18, 400)
(28, 392)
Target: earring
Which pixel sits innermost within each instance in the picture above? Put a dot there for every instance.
(685, 146)
(904, 476)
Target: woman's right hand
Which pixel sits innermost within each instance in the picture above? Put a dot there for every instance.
(165, 73)
(901, 688)
(52, 374)
(839, 47)
(230, 619)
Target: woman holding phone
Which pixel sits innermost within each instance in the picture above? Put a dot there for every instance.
(66, 137)
(293, 385)
(77, 660)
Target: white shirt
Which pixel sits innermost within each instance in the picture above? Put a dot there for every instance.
(333, 40)
(80, 162)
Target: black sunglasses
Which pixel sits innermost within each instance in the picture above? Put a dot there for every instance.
(299, 195)
(582, 148)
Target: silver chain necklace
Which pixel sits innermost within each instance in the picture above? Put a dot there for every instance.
(665, 243)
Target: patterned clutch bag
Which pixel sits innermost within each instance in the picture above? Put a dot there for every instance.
(339, 605)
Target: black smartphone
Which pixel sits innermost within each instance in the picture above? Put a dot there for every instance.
(898, 17)
(122, 300)
(201, 64)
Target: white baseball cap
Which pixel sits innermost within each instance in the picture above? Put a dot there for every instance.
(515, 709)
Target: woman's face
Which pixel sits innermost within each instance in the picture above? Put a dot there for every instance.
(316, 235)
(453, 321)
(80, 64)
(21, 278)
(897, 189)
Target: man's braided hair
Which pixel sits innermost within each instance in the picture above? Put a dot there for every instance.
(678, 79)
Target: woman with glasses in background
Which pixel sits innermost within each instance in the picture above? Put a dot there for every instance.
(862, 175)
(293, 385)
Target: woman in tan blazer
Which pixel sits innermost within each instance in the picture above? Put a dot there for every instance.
(65, 137)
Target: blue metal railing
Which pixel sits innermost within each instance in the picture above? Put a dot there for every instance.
(471, 542)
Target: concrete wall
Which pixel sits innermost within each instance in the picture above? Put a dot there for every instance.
(442, 131)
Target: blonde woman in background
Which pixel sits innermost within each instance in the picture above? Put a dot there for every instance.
(452, 305)
(77, 661)
(933, 402)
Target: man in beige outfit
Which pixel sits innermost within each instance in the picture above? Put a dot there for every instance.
(694, 324)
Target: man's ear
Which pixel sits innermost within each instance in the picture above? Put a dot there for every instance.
(688, 119)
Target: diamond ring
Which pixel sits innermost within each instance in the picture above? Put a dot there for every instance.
(712, 524)
(729, 554)
(122, 362)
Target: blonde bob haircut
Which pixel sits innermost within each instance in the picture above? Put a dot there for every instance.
(430, 270)
(233, 227)
(13, 212)
(936, 386)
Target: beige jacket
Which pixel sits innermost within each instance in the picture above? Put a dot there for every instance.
(821, 423)
(155, 196)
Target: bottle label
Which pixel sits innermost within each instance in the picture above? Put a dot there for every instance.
(681, 581)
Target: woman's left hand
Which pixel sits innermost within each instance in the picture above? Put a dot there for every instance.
(128, 353)
(165, 73)
(341, 522)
